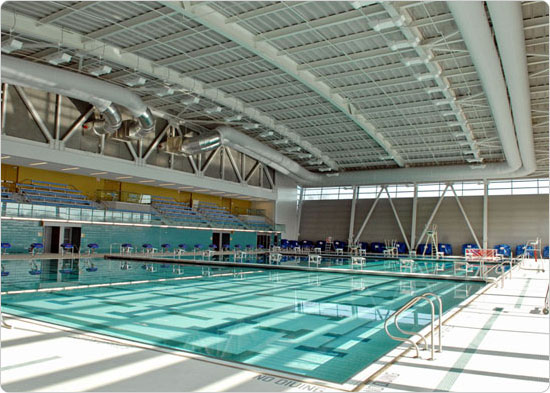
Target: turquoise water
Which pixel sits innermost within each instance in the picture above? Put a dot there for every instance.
(327, 326)
(420, 265)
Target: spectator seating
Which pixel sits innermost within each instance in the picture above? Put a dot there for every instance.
(529, 252)
(545, 252)
(401, 247)
(54, 194)
(177, 211)
(219, 216)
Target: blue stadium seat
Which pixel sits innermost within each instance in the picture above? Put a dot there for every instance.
(364, 245)
(445, 248)
(545, 252)
(377, 247)
(423, 246)
(504, 250)
(401, 248)
(520, 250)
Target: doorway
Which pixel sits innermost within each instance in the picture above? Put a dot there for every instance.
(220, 239)
(54, 236)
(263, 240)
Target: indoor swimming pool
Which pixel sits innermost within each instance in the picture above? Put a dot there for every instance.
(327, 326)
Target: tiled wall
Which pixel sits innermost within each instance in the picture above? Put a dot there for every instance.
(20, 234)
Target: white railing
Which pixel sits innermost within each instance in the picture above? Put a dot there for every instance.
(425, 296)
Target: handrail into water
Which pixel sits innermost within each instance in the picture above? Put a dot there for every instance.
(407, 306)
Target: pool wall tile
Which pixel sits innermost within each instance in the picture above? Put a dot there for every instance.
(20, 234)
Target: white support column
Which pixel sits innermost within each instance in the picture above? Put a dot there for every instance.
(369, 214)
(465, 217)
(4, 105)
(299, 210)
(436, 208)
(398, 220)
(352, 214)
(413, 224)
(485, 213)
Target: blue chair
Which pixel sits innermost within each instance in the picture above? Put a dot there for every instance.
(226, 247)
(147, 247)
(36, 248)
(248, 247)
(545, 252)
(445, 248)
(237, 247)
(126, 247)
(92, 247)
(520, 250)
(213, 247)
(198, 247)
(5, 247)
(261, 246)
(4, 272)
(468, 246)
(423, 246)
(401, 247)
(320, 244)
(182, 246)
(504, 249)
(364, 246)
(377, 247)
(166, 247)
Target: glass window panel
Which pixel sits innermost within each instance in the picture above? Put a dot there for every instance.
(525, 183)
(500, 184)
(524, 191)
(329, 196)
(500, 192)
(472, 192)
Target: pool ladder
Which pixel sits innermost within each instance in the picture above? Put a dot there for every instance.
(425, 296)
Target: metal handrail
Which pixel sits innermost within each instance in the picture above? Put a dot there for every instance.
(408, 305)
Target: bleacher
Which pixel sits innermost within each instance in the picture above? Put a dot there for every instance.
(7, 195)
(256, 222)
(54, 194)
(219, 216)
(179, 212)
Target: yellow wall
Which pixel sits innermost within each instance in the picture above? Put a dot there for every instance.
(88, 185)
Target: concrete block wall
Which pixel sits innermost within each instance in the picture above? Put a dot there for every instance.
(513, 219)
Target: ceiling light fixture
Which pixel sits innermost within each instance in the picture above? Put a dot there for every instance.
(280, 141)
(38, 163)
(99, 70)
(404, 44)
(4, 157)
(58, 58)
(163, 91)
(385, 24)
(325, 169)
(233, 118)
(98, 173)
(133, 81)
(215, 109)
(11, 45)
(73, 168)
(167, 184)
(123, 177)
(191, 101)
(251, 126)
(147, 181)
(361, 4)
(266, 134)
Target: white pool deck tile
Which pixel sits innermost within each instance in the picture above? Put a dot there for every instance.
(497, 343)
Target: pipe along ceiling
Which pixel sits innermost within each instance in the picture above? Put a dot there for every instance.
(473, 24)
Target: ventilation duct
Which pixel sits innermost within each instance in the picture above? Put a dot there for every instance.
(81, 87)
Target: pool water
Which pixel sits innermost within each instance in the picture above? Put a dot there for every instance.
(423, 266)
(327, 326)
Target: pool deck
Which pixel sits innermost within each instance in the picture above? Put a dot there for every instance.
(497, 342)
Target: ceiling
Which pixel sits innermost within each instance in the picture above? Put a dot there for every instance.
(358, 85)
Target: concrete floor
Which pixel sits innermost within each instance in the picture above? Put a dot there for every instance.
(498, 342)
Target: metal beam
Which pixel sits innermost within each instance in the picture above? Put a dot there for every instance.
(155, 142)
(234, 165)
(398, 220)
(77, 124)
(263, 11)
(132, 150)
(249, 176)
(32, 110)
(413, 219)
(485, 214)
(131, 23)
(193, 164)
(4, 105)
(57, 116)
(166, 39)
(465, 217)
(369, 214)
(352, 214)
(50, 33)
(209, 160)
(432, 216)
(207, 16)
(268, 177)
